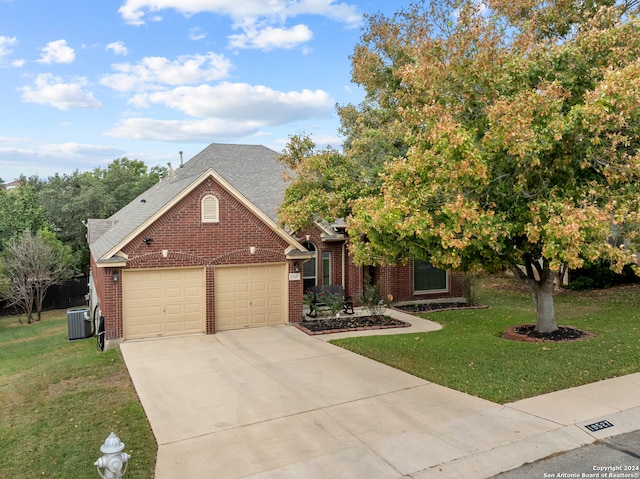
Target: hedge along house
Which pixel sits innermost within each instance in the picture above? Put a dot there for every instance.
(202, 251)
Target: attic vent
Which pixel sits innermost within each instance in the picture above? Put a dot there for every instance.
(210, 209)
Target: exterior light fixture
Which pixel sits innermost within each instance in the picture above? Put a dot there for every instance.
(296, 266)
(116, 276)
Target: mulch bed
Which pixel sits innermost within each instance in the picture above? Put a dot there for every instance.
(352, 323)
(428, 307)
(363, 323)
(527, 333)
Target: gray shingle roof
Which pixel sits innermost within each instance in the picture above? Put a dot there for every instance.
(253, 170)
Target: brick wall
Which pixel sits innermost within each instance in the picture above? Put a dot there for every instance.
(190, 242)
(396, 280)
(295, 297)
(335, 248)
(110, 294)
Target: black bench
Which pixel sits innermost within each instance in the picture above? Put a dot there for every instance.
(315, 293)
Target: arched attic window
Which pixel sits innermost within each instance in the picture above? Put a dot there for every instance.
(209, 208)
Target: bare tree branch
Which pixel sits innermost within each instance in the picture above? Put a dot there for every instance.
(29, 266)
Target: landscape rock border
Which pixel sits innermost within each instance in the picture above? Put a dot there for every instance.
(512, 334)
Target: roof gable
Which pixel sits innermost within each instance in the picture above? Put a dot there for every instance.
(250, 173)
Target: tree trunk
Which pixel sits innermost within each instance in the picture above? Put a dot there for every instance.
(539, 277)
(545, 311)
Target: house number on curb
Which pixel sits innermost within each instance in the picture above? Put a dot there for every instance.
(596, 426)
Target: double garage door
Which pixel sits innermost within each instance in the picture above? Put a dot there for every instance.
(170, 302)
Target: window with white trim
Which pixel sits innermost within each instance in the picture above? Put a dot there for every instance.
(326, 267)
(210, 209)
(427, 279)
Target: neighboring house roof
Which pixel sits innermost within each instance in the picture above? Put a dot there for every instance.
(11, 185)
(250, 172)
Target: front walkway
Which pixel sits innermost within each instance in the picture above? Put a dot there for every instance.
(418, 325)
(276, 403)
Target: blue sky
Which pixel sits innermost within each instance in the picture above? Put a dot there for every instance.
(83, 82)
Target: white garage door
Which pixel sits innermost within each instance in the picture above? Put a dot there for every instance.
(250, 296)
(163, 302)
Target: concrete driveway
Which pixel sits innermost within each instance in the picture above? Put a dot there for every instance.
(276, 403)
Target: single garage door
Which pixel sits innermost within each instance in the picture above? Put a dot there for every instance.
(250, 296)
(163, 302)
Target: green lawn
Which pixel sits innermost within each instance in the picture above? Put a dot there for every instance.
(469, 355)
(60, 400)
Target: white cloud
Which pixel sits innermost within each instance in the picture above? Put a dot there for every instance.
(182, 130)
(340, 12)
(243, 102)
(270, 37)
(57, 52)
(78, 150)
(117, 48)
(229, 110)
(53, 91)
(255, 18)
(151, 72)
(196, 34)
(5, 45)
(13, 139)
(134, 11)
(31, 157)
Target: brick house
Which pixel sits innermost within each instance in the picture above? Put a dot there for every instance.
(202, 251)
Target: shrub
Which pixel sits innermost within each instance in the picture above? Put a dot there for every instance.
(372, 301)
(334, 301)
(599, 275)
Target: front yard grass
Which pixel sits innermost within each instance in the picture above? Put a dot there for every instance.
(59, 401)
(469, 355)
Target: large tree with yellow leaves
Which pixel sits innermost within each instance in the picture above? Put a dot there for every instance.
(515, 126)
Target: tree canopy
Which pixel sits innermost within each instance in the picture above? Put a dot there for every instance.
(62, 204)
(69, 200)
(502, 134)
(20, 210)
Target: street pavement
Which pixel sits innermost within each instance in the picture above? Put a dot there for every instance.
(614, 457)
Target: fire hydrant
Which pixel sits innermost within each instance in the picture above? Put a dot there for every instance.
(113, 461)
